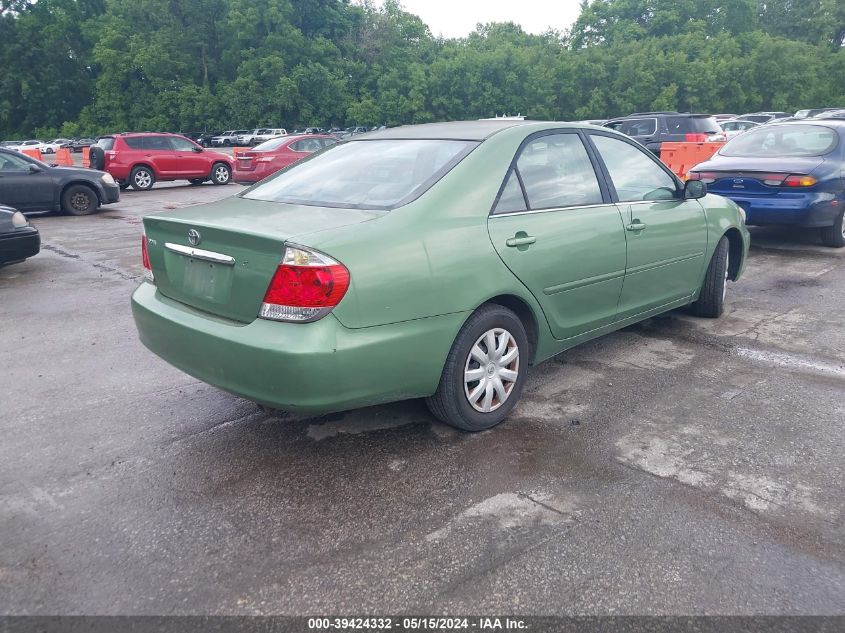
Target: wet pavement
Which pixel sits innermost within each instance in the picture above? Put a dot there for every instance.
(680, 466)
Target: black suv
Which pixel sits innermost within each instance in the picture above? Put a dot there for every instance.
(654, 128)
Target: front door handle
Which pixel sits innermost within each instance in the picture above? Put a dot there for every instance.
(636, 225)
(520, 239)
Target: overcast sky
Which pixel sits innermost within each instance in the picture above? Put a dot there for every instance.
(456, 18)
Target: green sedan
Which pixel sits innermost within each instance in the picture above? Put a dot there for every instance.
(434, 261)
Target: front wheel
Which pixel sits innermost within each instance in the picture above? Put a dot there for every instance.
(485, 371)
(835, 235)
(711, 299)
(221, 174)
(79, 200)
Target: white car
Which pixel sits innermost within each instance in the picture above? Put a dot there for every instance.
(33, 144)
(51, 147)
(735, 127)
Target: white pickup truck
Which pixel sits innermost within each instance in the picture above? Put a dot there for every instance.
(260, 135)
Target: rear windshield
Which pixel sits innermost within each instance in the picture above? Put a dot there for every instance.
(107, 142)
(635, 127)
(692, 125)
(783, 140)
(382, 174)
(273, 143)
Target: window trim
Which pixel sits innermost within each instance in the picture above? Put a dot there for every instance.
(512, 167)
(624, 139)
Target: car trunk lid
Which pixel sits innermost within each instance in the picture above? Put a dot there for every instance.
(246, 161)
(220, 258)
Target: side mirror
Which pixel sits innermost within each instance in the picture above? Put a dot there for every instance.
(694, 189)
(197, 149)
(34, 169)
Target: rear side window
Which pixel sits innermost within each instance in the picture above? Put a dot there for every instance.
(692, 125)
(307, 145)
(783, 140)
(379, 175)
(555, 171)
(156, 143)
(637, 127)
(633, 173)
(134, 142)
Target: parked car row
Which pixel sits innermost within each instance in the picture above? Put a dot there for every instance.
(49, 147)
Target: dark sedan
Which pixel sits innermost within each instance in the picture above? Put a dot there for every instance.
(31, 185)
(18, 239)
(785, 173)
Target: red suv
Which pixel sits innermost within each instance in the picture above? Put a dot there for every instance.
(140, 159)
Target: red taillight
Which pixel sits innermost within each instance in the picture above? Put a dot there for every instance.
(797, 180)
(305, 287)
(145, 259)
(696, 138)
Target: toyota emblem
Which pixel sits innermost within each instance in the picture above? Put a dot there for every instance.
(194, 237)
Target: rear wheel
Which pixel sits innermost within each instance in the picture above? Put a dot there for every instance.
(221, 174)
(79, 200)
(711, 299)
(485, 371)
(835, 235)
(142, 178)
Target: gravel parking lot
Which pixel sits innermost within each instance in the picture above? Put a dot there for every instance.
(680, 466)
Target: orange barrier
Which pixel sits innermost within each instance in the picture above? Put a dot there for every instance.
(63, 157)
(86, 156)
(681, 157)
(33, 153)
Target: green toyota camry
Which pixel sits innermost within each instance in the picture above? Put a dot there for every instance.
(434, 261)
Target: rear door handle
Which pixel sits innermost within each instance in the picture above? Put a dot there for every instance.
(522, 240)
(636, 225)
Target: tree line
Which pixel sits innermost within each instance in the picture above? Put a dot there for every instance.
(83, 67)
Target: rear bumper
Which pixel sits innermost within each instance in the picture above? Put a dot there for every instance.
(808, 210)
(302, 367)
(19, 245)
(261, 171)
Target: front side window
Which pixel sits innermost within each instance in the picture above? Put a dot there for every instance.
(633, 173)
(8, 162)
(382, 174)
(783, 140)
(181, 144)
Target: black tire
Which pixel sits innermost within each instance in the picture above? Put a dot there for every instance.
(142, 178)
(123, 185)
(711, 299)
(48, 150)
(97, 157)
(197, 181)
(834, 236)
(79, 200)
(227, 143)
(451, 402)
(221, 174)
